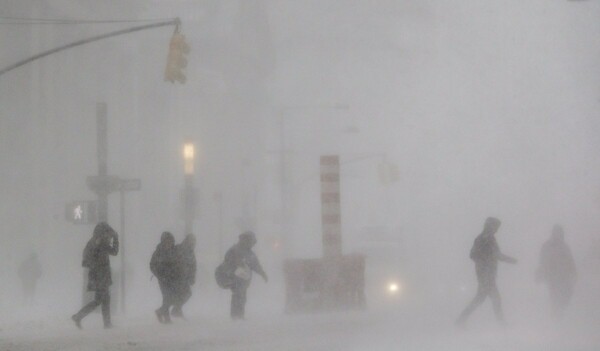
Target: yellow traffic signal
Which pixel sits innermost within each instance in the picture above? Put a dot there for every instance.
(176, 60)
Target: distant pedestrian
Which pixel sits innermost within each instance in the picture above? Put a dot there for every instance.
(163, 265)
(186, 261)
(235, 273)
(557, 270)
(29, 272)
(103, 243)
(486, 254)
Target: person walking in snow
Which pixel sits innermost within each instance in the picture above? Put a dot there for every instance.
(557, 270)
(235, 273)
(29, 272)
(486, 254)
(186, 261)
(163, 265)
(104, 242)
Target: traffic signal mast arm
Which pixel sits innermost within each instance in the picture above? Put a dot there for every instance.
(174, 22)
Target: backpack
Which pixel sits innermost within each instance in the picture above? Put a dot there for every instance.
(224, 280)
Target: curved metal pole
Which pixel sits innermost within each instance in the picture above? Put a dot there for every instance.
(174, 22)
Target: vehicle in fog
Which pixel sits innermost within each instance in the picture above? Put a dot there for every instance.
(385, 270)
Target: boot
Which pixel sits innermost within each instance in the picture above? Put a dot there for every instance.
(159, 315)
(77, 321)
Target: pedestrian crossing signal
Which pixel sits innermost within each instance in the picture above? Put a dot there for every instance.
(81, 212)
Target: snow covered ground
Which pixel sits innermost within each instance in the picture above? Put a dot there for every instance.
(410, 325)
(372, 331)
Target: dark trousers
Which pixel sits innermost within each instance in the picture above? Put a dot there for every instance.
(168, 294)
(101, 297)
(184, 292)
(560, 296)
(486, 288)
(238, 298)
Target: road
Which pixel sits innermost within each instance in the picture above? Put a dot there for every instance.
(347, 331)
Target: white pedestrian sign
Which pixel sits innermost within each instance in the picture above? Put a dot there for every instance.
(81, 212)
(78, 212)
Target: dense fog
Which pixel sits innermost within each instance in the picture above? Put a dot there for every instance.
(442, 113)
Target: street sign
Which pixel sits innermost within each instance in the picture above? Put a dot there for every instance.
(82, 212)
(130, 184)
(103, 184)
(109, 184)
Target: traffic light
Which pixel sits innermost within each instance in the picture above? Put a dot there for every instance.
(176, 60)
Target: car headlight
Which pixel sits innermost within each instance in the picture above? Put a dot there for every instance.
(394, 288)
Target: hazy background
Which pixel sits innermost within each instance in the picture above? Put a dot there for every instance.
(485, 108)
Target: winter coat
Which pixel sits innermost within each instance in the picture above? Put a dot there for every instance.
(557, 266)
(163, 263)
(186, 261)
(239, 263)
(96, 258)
(486, 254)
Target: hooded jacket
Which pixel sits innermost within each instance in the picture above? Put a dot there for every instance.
(104, 242)
(163, 263)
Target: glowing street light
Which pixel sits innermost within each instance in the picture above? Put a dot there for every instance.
(188, 158)
(189, 195)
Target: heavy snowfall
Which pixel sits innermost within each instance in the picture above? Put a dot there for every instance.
(300, 175)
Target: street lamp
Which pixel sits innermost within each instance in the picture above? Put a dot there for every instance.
(189, 200)
(188, 158)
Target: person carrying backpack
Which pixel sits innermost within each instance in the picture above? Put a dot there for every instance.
(235, 273)
(186, 261)
(163, 265)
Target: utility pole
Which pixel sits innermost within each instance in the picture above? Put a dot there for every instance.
(122, 210)
(102, 154)
(103, 184)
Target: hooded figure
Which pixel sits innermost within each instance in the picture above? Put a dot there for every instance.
(104, 242)
(557, 270)
(30, 271)
(486, 254)
(235, 272)
(163, 265)
(186, 261)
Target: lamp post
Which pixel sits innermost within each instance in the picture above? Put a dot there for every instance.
(188, 191)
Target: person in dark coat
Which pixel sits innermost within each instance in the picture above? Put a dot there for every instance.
(235, 272)
(186, 260)
(486, 254)
(103, 243)
(29, 272)
(163, 265)
(557, 270)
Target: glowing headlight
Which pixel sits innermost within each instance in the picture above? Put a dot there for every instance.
(393, 288)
